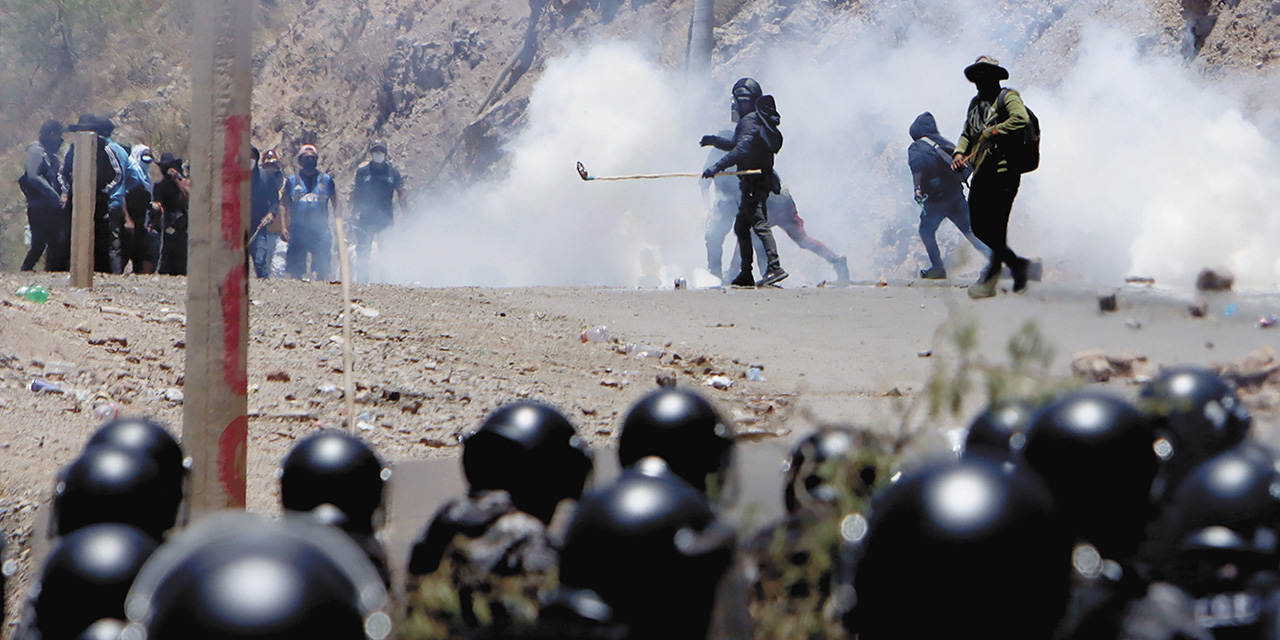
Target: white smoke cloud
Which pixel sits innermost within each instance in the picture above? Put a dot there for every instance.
(1148, 168)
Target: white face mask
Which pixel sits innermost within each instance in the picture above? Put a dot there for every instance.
(379, 157)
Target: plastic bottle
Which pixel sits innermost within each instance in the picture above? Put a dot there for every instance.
(755, 373)
(34, 293)
(598, 333)
(46, 386)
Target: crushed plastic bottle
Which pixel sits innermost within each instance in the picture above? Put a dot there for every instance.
(106, 410)
(59, 368)
(642, 350)
(681, 283)
(46, 386)
(35, 293)
(598, 333)
(1268, 321)
(755, 373)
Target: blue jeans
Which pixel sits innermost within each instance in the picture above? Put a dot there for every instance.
(261, 251)
(942, 208)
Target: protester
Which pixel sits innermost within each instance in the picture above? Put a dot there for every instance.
(138, 246)
(309, 198)
(376, 182)
(106, 228)
(755, 140)
(995, 116)
(782, 212)
(263, 212)
(173, 194)
(42, 186)
(938, 191)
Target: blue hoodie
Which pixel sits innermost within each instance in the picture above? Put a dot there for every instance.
(937, 180)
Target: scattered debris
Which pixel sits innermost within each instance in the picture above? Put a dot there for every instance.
(279, 375)
(927, 353)
(365, 311)
(720, 382)
(117, 311)
(1199, 309)
(755, 373)
(1107, 302)
(1140, 280)
(893, 393)
(1215, 280)
(1267, 321)
(881, 283)
(1133, 323)
(598, 333)
(174, 395)
(666, 379)
(1251, 371)
(45, 386)
(1097, 366)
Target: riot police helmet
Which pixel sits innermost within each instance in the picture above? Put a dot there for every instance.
(110, 484)
(1196, 415)
(747, 89)
(86, 578)
(149, 437)
(233, 575)
(812, 478)
(1000, 432)
(335, 468)
(531, 451)
(648, 543)
(1096, 453)
(685, 430)
(976, 546)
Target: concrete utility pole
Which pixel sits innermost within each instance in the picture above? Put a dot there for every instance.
(84, 198)
(215, 421)
(701, 40)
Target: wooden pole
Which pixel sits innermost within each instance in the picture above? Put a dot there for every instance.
(84, 199)
(215, 412)
(348, 349)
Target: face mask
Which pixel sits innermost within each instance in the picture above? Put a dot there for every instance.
(52, 145)
(379, 157)
(309, 163)
(147, 159)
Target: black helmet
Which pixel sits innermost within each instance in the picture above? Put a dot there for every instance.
(234, 576)
(748, 89)
(335, 468)
(529, 450)
(148, 437)
(683, 429)
(647, 545)
(1000, 432)
(812, 478)
(1095, 452)
(1198, 416)
(104, 629)
(110, 484)
(962, 549)
(1227, 511)
(87, 576)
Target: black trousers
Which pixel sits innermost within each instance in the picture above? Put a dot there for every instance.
(990, 202)
(47, 235)
(107, 222)
(753, 217)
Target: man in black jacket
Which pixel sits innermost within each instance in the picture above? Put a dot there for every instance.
(106, 229)
(43, 187)
(755, 140)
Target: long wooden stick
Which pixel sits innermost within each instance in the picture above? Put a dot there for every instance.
(344, 268)
(582, 173)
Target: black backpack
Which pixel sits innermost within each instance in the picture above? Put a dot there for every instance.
(1022, 153)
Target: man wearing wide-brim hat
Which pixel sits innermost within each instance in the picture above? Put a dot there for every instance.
(996, 114)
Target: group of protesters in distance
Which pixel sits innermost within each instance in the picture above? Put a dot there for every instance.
(138, 222)
(140, 225)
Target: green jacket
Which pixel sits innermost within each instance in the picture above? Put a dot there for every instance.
(994, 122)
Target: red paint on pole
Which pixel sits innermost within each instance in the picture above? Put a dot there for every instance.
(231, 460)
(233, 176)
(234, 369)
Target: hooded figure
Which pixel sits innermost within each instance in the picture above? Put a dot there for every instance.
(136, 242)
(755, 139)
(42, 186)
(173, 192)
(938, 191)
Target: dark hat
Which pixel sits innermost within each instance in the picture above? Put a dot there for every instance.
(51, 128)
(87, 122)
(985, 66)
(105, 126)
(169, 160)
(378, 145)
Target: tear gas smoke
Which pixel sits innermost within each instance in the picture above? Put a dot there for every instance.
(1147, 168)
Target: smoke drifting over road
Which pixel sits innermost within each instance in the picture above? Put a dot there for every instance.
(1148, 168)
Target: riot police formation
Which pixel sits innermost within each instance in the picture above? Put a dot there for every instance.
(1052, 524)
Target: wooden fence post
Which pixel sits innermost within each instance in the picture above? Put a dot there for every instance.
(215, 411)
(84, 198)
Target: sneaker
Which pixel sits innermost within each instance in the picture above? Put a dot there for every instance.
(984, 289)
(1019, 271)
(841, 265)
(934, 273)
(744, 280)
(773, 277)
